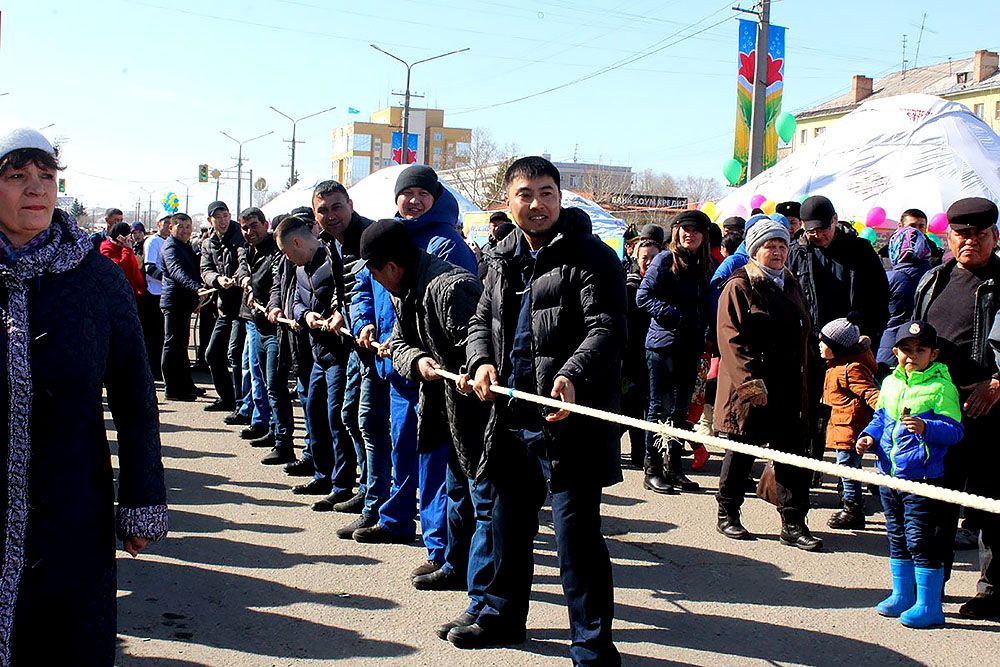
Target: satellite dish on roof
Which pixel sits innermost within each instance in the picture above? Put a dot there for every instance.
(260, 184)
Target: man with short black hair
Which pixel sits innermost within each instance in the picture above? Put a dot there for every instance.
(551, 321)
(791, 210)
(258, 263)
(319, 300)
(219, 261)
(112, 217)
(178, 267)
(961, 300)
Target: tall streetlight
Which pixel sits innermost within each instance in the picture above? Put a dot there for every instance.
(406, 99)
(239, 165)
(187, 196)
(149, 212)
(295, 121)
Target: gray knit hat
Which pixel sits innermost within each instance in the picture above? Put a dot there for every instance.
(843, 337)
(763, 231)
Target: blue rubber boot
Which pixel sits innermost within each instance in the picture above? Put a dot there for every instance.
(927, 612)
(903, 589)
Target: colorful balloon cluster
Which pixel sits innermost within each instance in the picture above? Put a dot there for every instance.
(171, 202)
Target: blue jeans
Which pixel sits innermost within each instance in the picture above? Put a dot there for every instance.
(332, 450)
(373, 418)
(584, 563)
(853, 491)
(254, 402)
(352, 419)
(470, 533)
(672, 375)
(916, 527)
(278, 397)
(399, 511)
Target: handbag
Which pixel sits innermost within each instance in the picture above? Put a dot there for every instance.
(767, 486)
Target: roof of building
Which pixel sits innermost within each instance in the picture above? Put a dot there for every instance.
(940, 79)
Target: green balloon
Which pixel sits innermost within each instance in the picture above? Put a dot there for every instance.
(935, 239)
(732, 170)
(785, 126)
(869, 234)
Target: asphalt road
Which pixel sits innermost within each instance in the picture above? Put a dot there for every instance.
(249, 575)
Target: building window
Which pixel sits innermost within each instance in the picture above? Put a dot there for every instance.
(437, 151)
(963, 77)
(979, 109)
(818, 131)
(437, 136)
(996, 114)
(804, 136)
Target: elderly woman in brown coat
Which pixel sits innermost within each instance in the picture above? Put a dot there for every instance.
(763, 334)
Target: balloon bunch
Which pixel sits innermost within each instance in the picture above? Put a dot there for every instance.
(170, 202)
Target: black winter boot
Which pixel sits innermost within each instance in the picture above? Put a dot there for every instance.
(795, 533)
(654, 479)
(676, 476)
(730, 526)
(851, 517)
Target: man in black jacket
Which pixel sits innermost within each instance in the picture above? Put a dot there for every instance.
(840, 274)
(551, 321)
(434, 301)
(342, 228)
(178, 267)
(961, 299)
(319, 300)
(219, 262)
(258, 261)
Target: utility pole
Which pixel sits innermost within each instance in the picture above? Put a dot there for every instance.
(239, 166)
(187, 196)
(149, 211)
(292, 178)
(758, 118)
(404, 151)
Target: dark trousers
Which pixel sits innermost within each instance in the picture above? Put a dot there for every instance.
(224, 357)
(206, 324)
(972, 466)
(672, 375)
(584, 563)
(174, 361)
(278, 396)
(914, 526)
(634, 404)
(792, 483)
(151, 318)
(332, 449)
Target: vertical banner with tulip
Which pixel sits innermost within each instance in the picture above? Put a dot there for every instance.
(744, 97)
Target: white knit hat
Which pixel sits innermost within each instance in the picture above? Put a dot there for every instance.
(13, 139)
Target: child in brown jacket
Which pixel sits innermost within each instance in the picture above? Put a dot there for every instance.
(851, 391)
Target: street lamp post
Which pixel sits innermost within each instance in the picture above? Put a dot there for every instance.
(187, 195)
(239, 165)
(406, 98)
(149, 212)
(295, 121)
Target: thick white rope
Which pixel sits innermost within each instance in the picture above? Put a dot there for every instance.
(864, 476)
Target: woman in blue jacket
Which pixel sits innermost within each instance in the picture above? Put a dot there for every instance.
(675, 292)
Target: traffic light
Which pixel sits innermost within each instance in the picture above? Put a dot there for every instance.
(62, 185)
(203, 173)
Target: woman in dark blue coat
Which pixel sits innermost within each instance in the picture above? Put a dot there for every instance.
(71, 332)
(675, 293)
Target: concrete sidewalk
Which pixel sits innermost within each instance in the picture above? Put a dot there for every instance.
(249, 575)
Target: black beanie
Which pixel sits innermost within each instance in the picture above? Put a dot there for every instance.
(419, 176)
(387, 240)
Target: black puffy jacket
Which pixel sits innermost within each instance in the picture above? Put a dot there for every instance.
(578, 330)
(259, 264)
(319, 287)
(220, 257)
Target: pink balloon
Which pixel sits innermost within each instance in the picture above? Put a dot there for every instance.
(876, 217)
(757, 200)
(939, 224)
(740, 211)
